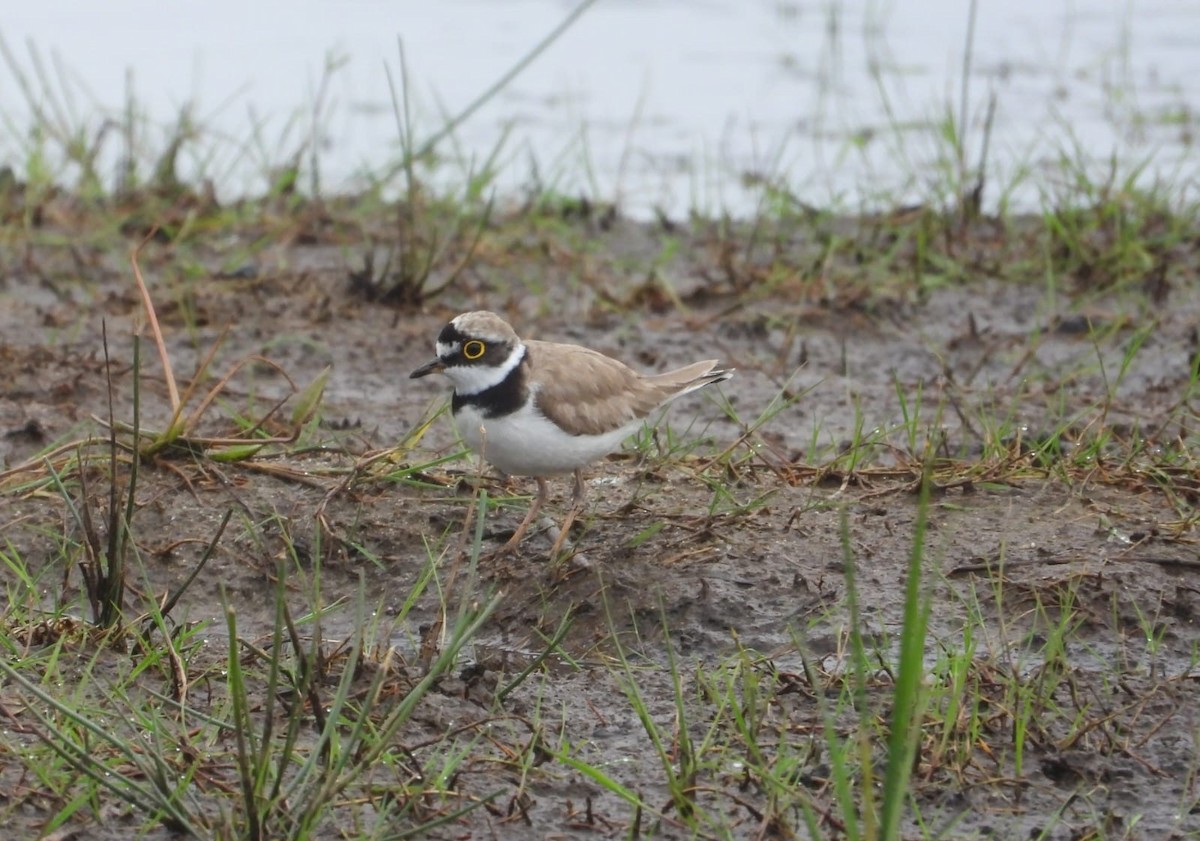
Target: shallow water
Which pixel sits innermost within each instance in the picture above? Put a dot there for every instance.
(674, 104)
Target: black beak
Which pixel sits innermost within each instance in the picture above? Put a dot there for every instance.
(434, 367)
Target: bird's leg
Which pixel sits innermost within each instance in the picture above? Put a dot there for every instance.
(577, 497)
(542, 493)
(578, 493)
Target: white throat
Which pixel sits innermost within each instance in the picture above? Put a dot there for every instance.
(472, 379)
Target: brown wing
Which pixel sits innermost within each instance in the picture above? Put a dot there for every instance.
(588, 393)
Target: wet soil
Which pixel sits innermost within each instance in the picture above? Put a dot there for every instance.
(678, 549)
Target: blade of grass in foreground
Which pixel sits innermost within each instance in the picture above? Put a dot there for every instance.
(865, 813)
(144, 788)
(908, 699)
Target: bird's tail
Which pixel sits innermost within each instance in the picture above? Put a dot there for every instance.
(687, 379)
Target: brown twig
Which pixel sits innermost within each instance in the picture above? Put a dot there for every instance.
(152, 319)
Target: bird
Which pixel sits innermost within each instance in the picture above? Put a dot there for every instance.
(544, 409)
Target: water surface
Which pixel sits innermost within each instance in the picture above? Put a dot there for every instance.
(674, 104)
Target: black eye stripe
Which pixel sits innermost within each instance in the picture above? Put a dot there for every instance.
(453, 343)
(450, 335)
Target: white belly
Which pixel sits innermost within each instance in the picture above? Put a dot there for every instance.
(526, 444)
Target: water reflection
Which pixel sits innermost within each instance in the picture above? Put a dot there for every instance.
(672, 104)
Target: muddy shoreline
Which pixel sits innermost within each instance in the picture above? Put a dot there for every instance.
(1051, 412)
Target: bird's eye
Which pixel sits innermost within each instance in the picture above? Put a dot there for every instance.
(473, 349)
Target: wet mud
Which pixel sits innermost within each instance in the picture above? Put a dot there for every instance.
(681, 549)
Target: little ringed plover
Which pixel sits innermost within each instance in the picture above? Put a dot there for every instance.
(543, 409)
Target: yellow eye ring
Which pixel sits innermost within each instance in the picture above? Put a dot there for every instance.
(473, 350)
